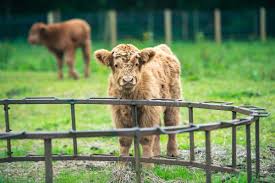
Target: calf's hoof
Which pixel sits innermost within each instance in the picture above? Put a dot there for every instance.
(87, 74)
(75, 76)
(172, 153)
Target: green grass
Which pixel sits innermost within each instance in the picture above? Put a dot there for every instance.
(240, 72)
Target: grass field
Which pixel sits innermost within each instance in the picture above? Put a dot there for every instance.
(240, 72)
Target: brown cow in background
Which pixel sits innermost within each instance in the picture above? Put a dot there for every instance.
(62, 39)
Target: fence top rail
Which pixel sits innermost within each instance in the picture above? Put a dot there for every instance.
(225, 106)
(127, 131)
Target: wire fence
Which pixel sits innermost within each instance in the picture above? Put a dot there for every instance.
(252, 113)
(150, 26)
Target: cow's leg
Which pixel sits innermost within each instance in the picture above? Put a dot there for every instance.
(59, 59)
(172, 118)
(156, 146)
(86, 48)
(125, 144)
(69, 58)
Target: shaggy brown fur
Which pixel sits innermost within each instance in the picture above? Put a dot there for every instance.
(62, 39)
(143, 74)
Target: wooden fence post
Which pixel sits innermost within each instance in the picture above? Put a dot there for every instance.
(217, 26)
(113, 27)
(53, 16)
(168, 26)
(195, 23)
(185, 22)
(262, 24)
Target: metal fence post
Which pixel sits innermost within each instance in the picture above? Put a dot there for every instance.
(234, 144)
(136, 144)
(7, 123)
(248, 154)
(74, 128)
(48, 160)
(208, 155)
(191, 135)
(257, 139)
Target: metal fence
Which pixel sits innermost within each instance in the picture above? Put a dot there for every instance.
(252, 113)
(150, 25)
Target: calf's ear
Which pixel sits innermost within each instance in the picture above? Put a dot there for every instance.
(103, 56)
(147, 54)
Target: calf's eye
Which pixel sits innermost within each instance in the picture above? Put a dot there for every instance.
(136, 64)
(116, 65)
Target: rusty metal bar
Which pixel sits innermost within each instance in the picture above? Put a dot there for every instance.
(73, 127)
(248, 154)
(191, 134)
(136, 143)
(48, 161)
(114, 101)
(234, 143)
(257, 146)
(123, 131)
(208, 155)
(7, 124)
(157, 160)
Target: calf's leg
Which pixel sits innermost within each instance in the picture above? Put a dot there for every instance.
(125, 144)
(147, 147)
(86, 55)
(69, 58)
(59, 60)
(171, 118)
(156, 146)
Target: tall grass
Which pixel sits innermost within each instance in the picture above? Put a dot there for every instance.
(250, 60)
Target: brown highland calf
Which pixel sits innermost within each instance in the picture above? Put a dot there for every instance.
(62, 39)
(143, 74)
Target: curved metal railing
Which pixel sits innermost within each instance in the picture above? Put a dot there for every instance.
(253, 114)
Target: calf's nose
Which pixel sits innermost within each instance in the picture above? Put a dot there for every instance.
(127, 79)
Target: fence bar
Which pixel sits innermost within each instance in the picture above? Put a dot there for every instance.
(116, 101)
(234, 143)
(7, 123)
(92, 157)
(248, 154)
(136, 144)
(48, 161)
(74, 127)
(257, 141)
(208, 155)
(125, 131)
(191, 135)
